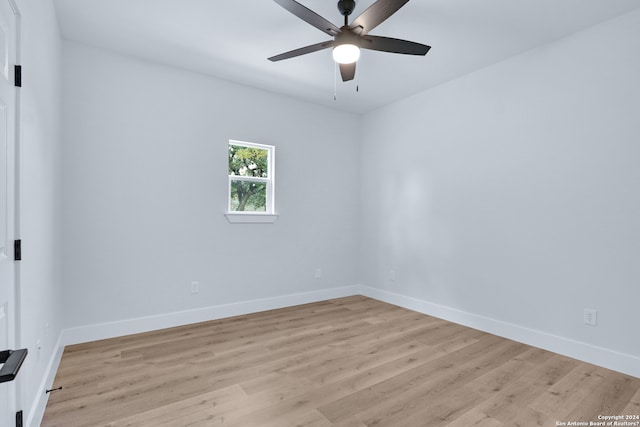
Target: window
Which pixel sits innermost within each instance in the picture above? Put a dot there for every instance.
(251, 173)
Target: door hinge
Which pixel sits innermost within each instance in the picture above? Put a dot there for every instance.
(17, 250)
(18, 75)
(19, 419)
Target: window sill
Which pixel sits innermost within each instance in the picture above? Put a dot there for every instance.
(251, 218)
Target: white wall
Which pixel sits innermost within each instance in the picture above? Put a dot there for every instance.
(41, 273)
(145, 183)
(513, 193)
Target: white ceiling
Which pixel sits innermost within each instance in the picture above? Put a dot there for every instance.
(232, 40)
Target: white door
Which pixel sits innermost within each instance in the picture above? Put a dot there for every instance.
(8, 48)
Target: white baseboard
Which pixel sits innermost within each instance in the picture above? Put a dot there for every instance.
(35, 414)
(119, 328)
(616, 361)
(621, 362)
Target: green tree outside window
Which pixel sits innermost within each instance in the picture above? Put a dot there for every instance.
(249, 177)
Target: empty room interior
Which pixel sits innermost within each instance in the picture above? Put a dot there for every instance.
(200, 232)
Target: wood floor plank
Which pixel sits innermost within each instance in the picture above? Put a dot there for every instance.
(178, 412)
(475, 418)
(347, 362)
(422, 371)
(567, 395)
(429, 397)
(633, 406)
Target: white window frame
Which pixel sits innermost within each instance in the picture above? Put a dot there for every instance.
(269, 215)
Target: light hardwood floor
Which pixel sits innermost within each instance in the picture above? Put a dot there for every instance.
(346, 362)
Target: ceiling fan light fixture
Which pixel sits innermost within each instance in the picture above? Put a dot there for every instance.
(350, 38)
(346, 53)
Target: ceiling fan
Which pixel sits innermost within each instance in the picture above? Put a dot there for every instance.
(349, 39)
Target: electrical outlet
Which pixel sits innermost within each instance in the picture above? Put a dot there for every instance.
(392, 275)
(195, 287)
(590, 317)
(318, 273)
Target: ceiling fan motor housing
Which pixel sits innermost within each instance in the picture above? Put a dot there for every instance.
(346, 7)
(346, 36)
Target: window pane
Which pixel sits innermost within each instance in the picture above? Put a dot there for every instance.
(248, 196)
(248, 161)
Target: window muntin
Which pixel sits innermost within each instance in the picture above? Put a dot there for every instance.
(251, 173)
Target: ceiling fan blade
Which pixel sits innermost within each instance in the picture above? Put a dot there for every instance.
(388, 44)
(309, 16)
(302, 51)
(348, 71)
(376, 14)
